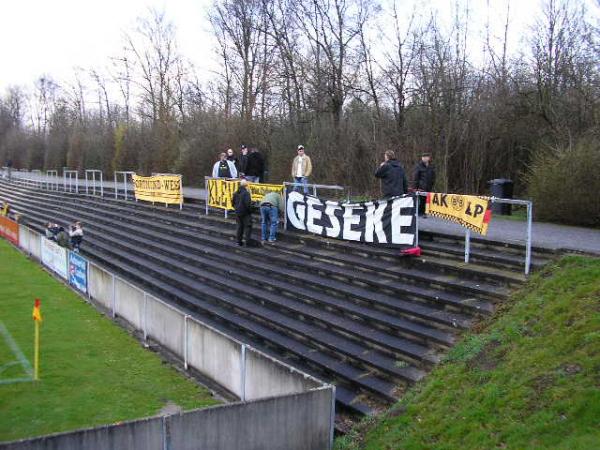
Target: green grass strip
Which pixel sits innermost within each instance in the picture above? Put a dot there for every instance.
(529, 379)
(92, 372)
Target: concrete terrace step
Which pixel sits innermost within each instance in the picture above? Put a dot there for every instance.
(193, 212)
(436, 297)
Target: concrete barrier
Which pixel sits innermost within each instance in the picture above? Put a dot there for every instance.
(291, 422)
(100, 285)
(215, 356)
(136, 435)
(165, 325)
(129, 303)
(264, 377)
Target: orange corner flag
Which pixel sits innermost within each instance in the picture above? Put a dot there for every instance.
(37, 314)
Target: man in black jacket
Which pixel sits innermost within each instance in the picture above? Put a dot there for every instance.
(255, 167)
(423, 179)
(242, 202)
(391, 172)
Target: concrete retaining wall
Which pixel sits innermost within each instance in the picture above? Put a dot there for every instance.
(215, 356)
(135, 435)
(100, 286)
(291, 422)
(129, 303)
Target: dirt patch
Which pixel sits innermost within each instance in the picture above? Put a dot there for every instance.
(488, 358)
(542, 383)
(169, 409)
(571, 369)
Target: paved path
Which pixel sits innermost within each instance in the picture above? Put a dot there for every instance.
(545, 235)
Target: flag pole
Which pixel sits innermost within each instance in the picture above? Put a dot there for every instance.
(36, 352)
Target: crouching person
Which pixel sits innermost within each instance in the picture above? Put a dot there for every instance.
(242, 202)
(76, 235)
(270, 207)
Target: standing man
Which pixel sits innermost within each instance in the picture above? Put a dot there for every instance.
(270, 206)
(391, 172)
(255, 166)
(423, 179)
(301, 169)
(242, 161)
(231, 157)
(224, 168)
(242, 202)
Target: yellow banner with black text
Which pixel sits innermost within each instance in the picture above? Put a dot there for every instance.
(470, 211)
(220, 191)
(158, 188)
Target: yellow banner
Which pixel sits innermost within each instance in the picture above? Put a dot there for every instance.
(470, 211)
(220, 192)
(159, 188)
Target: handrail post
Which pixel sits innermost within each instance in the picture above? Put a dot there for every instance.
(417, 219)
(467, 245)
(243, 373)
(528, 244)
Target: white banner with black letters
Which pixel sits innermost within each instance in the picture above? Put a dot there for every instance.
(387, 221)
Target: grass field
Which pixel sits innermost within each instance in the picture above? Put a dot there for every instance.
(528, 379)
(92, 372)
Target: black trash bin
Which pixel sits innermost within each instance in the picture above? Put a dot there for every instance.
(501, 188)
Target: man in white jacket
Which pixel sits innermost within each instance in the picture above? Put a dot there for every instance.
(224, 168)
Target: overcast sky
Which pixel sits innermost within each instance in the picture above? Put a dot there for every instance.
(54, 36)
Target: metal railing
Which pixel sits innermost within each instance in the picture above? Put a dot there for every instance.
(91, 173)
(124, 174)
(528, 233)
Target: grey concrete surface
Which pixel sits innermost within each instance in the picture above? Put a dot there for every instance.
(291, 422)
(545, 235)
(145, 434)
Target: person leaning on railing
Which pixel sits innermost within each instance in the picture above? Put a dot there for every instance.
(270, 208)
(76, 235)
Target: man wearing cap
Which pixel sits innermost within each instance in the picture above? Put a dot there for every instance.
(423, 178)
(301, 169)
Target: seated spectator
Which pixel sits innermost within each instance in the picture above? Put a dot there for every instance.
(224, 168)
(52, 230)
(5, 211)
(76, 234)
(62, 238)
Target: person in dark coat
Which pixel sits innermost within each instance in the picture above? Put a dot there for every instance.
(243, 161)
(423, 179)
(255, 167)
(242, 202)
(391, 172)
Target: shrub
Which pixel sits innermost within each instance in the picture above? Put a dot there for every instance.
(564, 183)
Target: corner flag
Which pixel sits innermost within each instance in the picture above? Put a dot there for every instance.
(37, 314)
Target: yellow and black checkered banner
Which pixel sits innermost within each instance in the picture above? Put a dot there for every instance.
(470, 211)
(159, 188)
(220, 191)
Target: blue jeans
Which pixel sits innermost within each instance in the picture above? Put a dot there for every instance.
(303, 181)
(252, 179)
(269, 218)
